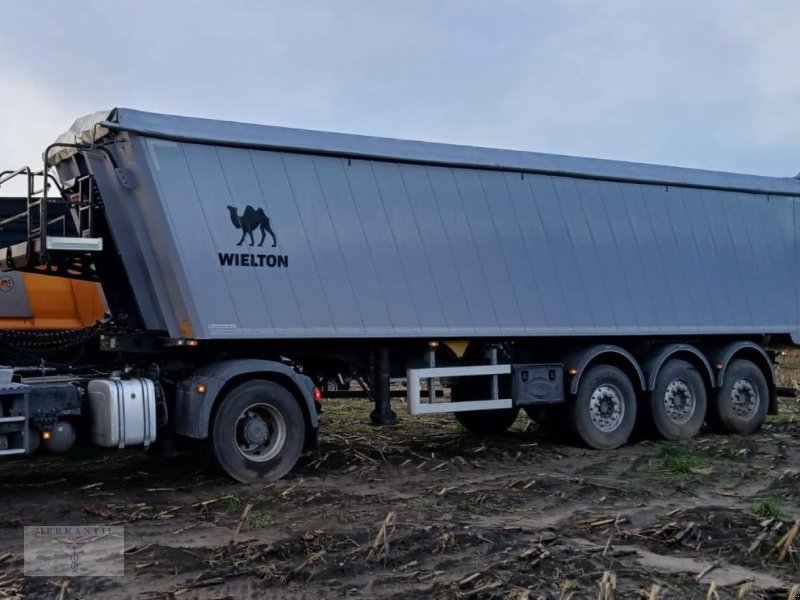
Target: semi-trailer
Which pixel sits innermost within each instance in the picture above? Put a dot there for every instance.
(239, 259)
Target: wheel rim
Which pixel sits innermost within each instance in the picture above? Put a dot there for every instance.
(745, 398)
(606, 407)
(260, 432)
(680, 401)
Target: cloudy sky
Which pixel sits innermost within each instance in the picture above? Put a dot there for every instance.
(712, 84)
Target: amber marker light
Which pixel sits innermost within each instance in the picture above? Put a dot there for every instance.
(572, 372)
(201, 389)
(46, 435)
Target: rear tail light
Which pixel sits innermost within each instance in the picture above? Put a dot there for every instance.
(317, 395)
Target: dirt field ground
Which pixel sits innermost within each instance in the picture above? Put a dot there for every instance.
(426, 510)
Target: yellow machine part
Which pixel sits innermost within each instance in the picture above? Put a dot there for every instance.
(58, 304)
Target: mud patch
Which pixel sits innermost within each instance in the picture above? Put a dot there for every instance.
(517, 516)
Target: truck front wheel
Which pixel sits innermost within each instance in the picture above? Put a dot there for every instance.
(258, 432)
(604, 409)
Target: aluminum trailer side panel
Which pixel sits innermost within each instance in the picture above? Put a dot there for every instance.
(383, 247)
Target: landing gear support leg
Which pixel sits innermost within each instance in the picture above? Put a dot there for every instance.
(382, 415)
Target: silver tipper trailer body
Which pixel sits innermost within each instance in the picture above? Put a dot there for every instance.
(235, 231)
(242, 264)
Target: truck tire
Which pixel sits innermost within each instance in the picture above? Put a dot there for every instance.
(678, 401)
(482, 422)
(603, 411)
(742, 401)
(258, 432)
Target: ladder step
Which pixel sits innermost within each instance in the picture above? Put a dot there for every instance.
(7, 387)
(18, 419)
(12, 451)
(75, 244)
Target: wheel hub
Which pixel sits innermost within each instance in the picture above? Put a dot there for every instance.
(606, 408)
(744, 398)
(256, 430)
(679, 401)
(261, 432)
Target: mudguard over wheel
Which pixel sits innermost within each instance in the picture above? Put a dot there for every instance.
(742, 401)
(482, 422)
(258, 432)
(678, 401)
(603, 412)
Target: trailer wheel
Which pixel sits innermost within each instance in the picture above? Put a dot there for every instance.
(678, 401)
(604, 409)
(334, 384)
(482, 422)
(258, 432)
(742, 401)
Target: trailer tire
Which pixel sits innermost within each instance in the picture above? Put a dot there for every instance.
(742, 401)
(603, 412)
(331, 384)
(678, 401)
(482, 422)
(258, 432)
(334, 384)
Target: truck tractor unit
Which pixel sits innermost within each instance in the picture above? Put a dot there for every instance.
(242, 264)
(36, 303)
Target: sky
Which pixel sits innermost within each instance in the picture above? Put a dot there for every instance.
(712, 84)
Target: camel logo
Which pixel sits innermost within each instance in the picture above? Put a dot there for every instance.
(249, 221)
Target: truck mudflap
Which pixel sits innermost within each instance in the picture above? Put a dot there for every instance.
(197, 395)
